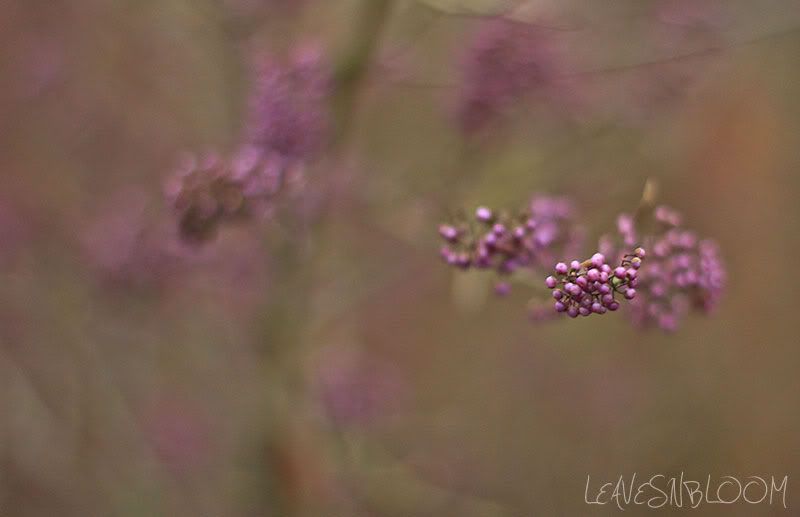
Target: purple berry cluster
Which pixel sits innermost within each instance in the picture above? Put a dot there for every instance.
(683, 271)
(506, 243)
(594, 286)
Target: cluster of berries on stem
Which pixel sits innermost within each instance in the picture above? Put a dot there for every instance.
(506, 243)
(594, 286)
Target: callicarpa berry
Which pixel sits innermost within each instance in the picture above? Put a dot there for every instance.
(483, 214)
(448, 232)
(683, 273)
(584, 291)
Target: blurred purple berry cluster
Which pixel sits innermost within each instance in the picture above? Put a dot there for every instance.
(506, 242)
(594, 286)
(505, 62)
(683, 273)
(287, 128)
(287, 110)
(203, 194)
(207, 191)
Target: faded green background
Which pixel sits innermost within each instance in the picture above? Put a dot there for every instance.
(201, 390)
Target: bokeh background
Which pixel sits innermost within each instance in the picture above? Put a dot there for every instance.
(335, 366)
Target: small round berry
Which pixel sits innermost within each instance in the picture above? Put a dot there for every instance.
(607, 299)
(633, 282)
(604, 276)
(560, 307)
(636, 262)
(575, 265)
(572, 312)
(631, 273)
(620, 272)
(558, 294)
(639, 252)
(593, 275)
(596, 307)
(483, 214)
(519, 232)
(583, 311)
(604, 289)
(630, 294)
(683, 260)
(613, 306)
(561, 268)
(550, 282)
(598, 260)
(502, 288)
(448, 232)
(508, 266)
(582, 282)
(499, 229)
